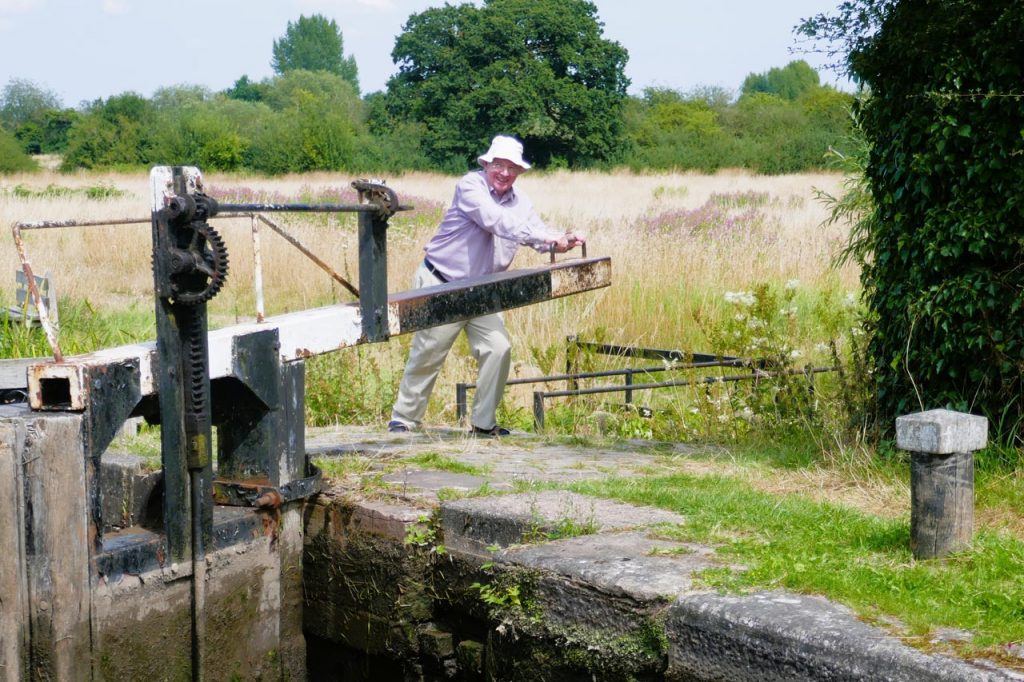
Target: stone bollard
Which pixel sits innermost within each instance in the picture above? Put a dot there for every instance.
(942, 445)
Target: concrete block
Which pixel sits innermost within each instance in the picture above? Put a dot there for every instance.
(777, 636)
(126, 485)
(470, 655)
(941, 432)
(435, 643)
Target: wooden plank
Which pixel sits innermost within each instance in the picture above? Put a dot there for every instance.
(58, 543)
(14, 373)
(14, 631)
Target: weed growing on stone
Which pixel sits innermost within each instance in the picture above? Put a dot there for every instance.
(439, 462)
(423, 535)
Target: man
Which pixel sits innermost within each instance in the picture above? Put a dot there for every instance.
(478, 235)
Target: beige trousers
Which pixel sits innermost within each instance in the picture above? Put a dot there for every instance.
(488, 341)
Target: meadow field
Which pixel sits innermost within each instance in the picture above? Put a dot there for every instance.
(693, 257)
(732, 264)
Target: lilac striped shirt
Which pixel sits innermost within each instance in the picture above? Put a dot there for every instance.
(481, 232)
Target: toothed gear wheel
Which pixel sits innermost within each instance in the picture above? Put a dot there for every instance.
(208, 261)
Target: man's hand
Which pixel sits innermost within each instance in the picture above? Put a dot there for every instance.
(575, 238)
(567, 241)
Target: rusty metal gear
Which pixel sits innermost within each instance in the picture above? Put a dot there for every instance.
(202, 268)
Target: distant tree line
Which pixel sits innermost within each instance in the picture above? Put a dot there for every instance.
(538, 69)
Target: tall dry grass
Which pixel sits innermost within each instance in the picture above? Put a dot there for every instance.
(677, 243)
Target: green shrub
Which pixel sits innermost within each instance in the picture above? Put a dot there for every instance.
(12, 158)
(945, 283)
(356, 385)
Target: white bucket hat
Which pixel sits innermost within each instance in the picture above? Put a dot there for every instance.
(504, 147)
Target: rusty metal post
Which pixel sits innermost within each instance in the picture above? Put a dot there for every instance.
(572, 350)
(30, 281)
(942, 445)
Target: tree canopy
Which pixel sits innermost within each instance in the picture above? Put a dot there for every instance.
(789, 82)
(314, 44)
(539, 69)
(22, 101)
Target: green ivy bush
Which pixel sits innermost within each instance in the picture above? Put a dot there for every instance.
(945, 285)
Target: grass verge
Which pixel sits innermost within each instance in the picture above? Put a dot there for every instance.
(863, 561)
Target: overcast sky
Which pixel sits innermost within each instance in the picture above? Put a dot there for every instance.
(89, 49)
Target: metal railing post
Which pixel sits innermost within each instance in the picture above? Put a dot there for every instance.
(460, 402)
(538, 411)
(572, 349)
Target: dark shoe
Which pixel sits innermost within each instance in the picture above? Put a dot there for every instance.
(492, 432)
(397, 427)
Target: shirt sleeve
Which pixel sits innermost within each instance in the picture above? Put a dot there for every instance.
(520, 224)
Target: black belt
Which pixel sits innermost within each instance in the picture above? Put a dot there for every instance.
(434, 271)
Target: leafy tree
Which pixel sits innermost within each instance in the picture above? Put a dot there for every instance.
(314, 44)
(22, 101)
(943, 281)
(672, 130)
(763, 132)
(12, 158)
(246, 90)
(180, 97)
(716, 96)
(115, 132)
(776, 135)
(206, 134)
(47, 132)
(297, 87)
(539, 69)
(316, 124)
(789, 82)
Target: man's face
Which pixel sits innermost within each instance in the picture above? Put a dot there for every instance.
(501, 175)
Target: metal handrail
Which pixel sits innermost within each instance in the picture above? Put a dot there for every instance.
(461, 389)
(540, 396)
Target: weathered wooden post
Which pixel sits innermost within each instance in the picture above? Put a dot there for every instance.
(942, 445)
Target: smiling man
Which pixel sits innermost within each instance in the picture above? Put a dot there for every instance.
(482, 229)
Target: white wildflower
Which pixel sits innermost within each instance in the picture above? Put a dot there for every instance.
(740, 317)
(850, 300)
(723, 418)
(792, 284)
(744, 298)
(821, 347)
(795, 353)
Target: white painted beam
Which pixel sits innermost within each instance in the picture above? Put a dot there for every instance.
(64, 386)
